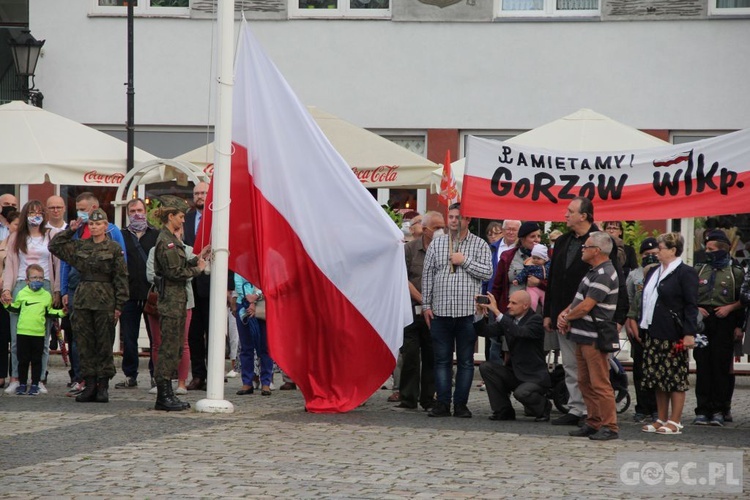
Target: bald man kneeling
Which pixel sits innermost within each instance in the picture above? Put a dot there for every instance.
(525, 374)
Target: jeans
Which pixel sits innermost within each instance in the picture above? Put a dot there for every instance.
(446, 333)
(130, 326)
(253, 340)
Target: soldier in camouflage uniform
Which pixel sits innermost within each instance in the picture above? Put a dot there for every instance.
(172, 269)
(98, 300)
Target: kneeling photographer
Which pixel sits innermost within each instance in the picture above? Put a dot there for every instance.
(525, 372)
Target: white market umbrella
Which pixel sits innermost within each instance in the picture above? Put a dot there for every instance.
(584, 130)
(38, 145)
(377, 162)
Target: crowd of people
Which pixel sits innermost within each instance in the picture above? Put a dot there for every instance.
(93, 275)
(526, 298)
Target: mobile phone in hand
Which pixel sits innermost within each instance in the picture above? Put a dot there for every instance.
(481, 299)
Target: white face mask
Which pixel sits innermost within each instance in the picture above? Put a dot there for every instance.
(438, 232)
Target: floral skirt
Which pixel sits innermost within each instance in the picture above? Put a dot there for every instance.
(664, 370)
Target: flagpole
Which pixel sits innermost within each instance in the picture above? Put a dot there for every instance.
(217, 328)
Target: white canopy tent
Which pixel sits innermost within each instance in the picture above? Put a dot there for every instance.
(377, 162)
(39, 146)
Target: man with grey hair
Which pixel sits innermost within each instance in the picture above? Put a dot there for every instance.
(595, 301)
(510, 237)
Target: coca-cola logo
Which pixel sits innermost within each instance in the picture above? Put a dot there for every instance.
(209, 170)
(94, 177)
(383, 173)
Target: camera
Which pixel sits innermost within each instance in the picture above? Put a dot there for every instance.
(481, 299)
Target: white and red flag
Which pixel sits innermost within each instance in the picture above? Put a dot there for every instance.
(303, 228)
(706, 177)
(448, 189)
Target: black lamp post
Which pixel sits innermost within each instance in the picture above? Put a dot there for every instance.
(26, 50)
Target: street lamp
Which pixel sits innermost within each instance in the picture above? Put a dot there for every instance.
(26, 50)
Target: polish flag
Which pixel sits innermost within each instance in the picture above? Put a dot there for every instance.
(448, 188)
(303, 228)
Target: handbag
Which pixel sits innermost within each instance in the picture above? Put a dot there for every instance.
(151, 307)
(607, 335)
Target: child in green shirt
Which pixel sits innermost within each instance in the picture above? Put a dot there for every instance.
(33, 304)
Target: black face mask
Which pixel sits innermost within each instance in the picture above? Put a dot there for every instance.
(7, 211)
(649, 259)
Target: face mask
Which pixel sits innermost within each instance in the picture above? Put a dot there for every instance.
(716, 256)
(84, 216)
(36, 285)
(35, 220)
(7, 210)
(138, 222)
(438, 232)
(649, 259)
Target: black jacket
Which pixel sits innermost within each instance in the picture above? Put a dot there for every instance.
(563, 281)
(137, 281)
(525, 345)
(678, 293)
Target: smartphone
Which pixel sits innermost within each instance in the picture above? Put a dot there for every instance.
(481, 299)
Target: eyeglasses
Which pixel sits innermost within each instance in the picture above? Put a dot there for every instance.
(616, 228)
(55, 208)
(584, 247)
(35, 212)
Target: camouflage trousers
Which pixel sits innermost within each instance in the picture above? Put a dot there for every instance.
(95, 334)
(170, 350)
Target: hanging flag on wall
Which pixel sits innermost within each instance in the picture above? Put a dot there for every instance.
(707, 177)
(303, 228)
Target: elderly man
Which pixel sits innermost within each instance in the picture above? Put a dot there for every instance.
(526, 373)
(595, 301)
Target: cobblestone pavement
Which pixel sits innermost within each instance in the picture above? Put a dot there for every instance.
(269, 447)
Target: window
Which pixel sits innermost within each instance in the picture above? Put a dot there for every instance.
(14, 13)
(728, 7)
(546, 8)
(340, 8)
(155, 8)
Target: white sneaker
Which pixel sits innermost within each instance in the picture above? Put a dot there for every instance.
(271, 386)
(232, 374)
(180, 391)
(11, 389)
(42, 389)
(153, 390)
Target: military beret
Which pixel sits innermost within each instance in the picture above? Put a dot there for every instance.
(170, 201)
(98, 215)
(648, 244)
(527, 228)
(717, 235)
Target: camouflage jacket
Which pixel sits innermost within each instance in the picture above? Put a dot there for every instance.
(171, 263)
(104, 275)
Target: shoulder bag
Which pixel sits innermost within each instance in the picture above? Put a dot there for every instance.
(607, 335)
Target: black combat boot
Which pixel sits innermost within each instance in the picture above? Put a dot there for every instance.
(102, 390)
(89, 392)
(165, 400)
(173, 397)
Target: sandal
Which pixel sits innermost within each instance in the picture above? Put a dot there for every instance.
(652, 427)
(667, 428)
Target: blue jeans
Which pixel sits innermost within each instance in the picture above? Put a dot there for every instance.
(446, 333)
(253, 341)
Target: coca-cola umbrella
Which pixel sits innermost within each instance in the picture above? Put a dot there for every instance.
(38, 145)
(376, 161)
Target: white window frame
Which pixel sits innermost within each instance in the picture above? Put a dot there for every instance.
(342, 11)
(498, 135)
(549, 10)
(143, 9)
(713, 10)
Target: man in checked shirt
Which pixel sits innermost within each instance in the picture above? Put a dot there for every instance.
(451, 279)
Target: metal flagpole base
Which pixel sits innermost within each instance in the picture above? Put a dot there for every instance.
(214, 406)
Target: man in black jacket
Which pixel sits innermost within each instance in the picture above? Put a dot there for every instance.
(139, 238)
(526, 373)
(567, 269)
